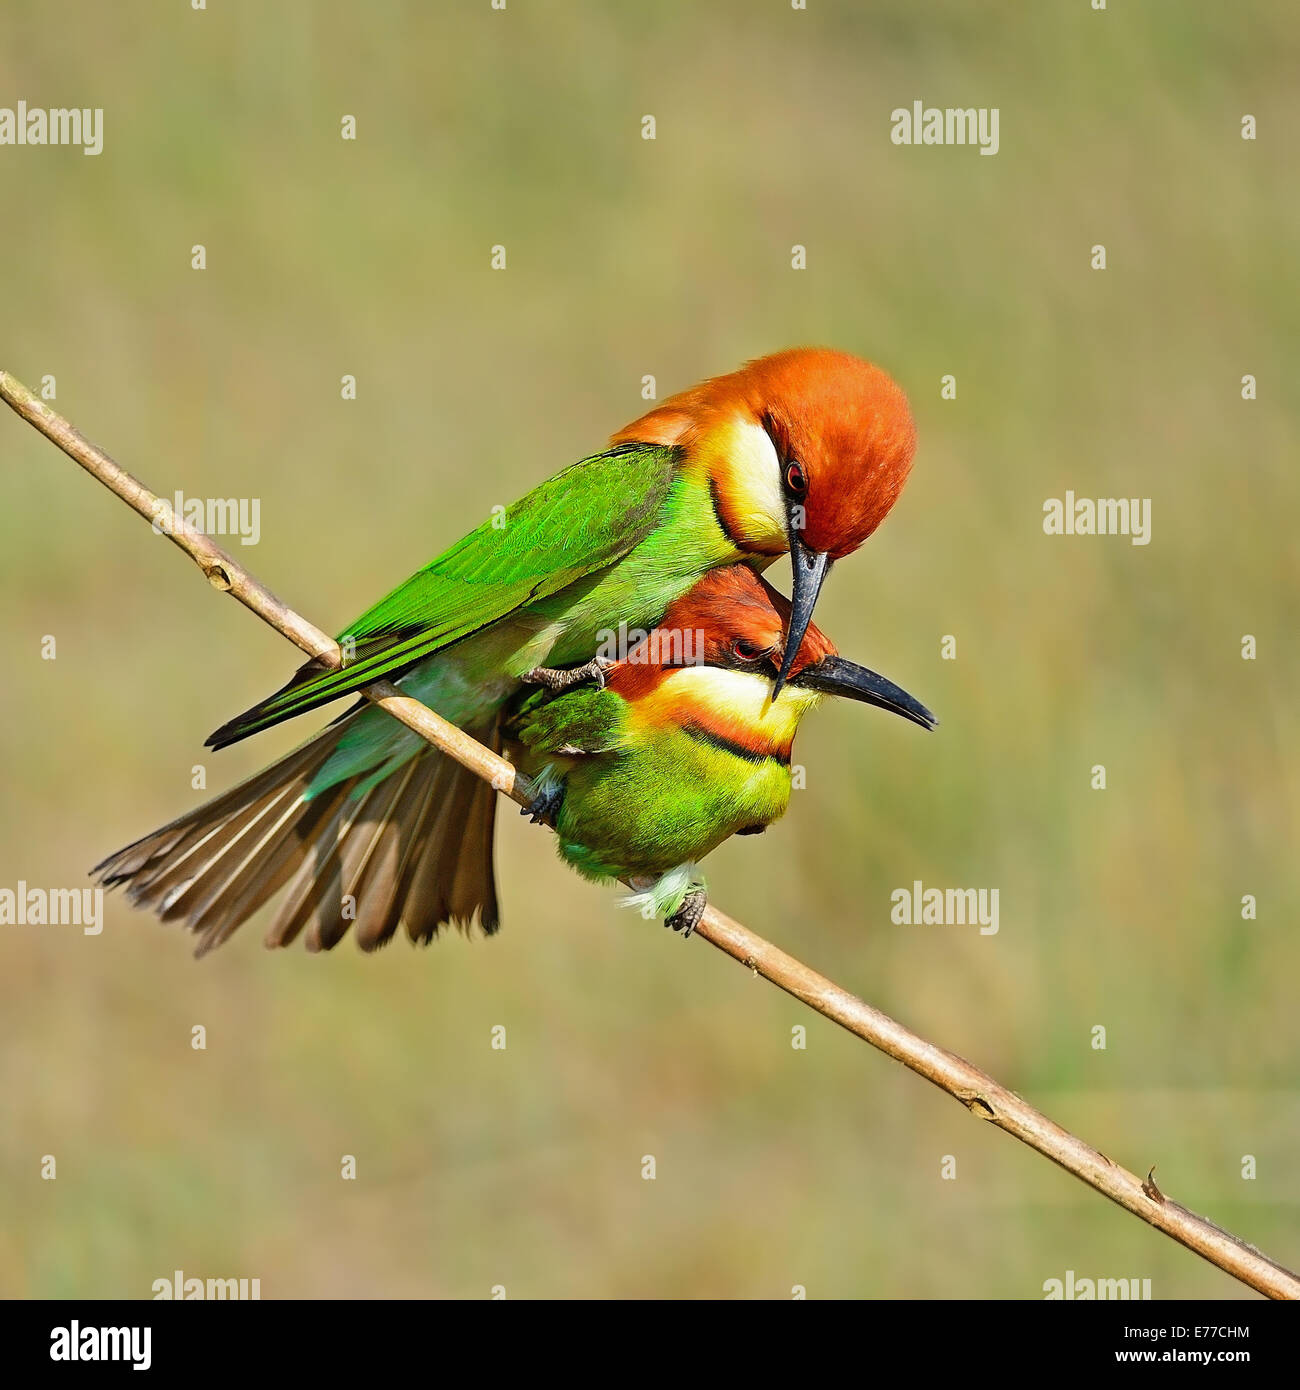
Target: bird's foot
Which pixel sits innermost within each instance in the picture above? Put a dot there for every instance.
(557, 680)
(687, 917)
(544, 805)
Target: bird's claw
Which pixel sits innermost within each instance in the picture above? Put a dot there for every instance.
(687, 917)
(542, 808)
(557, 680)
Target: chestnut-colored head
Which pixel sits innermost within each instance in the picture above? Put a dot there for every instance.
(805, 451)
(733, 621)
(742, 623)
(845, 426)
(837, 441)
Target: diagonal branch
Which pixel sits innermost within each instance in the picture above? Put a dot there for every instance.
(975, 1089)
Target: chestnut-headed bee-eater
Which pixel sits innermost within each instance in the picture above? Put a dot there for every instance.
(802, 452)
(687, 742)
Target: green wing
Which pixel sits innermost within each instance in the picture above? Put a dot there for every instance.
(586, 719)
(584, 518)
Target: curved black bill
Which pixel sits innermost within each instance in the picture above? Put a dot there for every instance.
(810, 567)
(832, 675)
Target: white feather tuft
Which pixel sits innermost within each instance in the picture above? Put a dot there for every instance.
(665, 894)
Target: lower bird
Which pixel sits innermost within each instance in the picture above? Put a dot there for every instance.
(644, 770)
(686, 742)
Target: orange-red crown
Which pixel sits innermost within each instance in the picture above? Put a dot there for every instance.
(843, 420)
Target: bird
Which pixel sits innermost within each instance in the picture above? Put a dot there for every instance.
(802, 452)
(686, 742)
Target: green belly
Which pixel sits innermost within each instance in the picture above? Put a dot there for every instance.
(669, 802)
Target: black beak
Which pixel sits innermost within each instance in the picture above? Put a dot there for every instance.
(810, 568)
(832, 675)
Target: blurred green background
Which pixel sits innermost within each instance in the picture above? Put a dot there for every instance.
(776, 1167)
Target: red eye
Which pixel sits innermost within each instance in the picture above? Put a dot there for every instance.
(746, 651)
(795, 478)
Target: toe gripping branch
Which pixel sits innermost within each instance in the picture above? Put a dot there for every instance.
(687, 917)
(557, 680)
(544, 805)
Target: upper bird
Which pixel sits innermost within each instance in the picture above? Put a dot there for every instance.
(803, 452)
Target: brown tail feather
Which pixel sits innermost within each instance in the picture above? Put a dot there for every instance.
(427, 902)
(415, 849)
(242, 896)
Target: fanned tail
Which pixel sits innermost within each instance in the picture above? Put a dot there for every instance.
(414, 850)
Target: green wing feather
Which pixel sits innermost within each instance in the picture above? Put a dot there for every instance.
(584, 518)
(584, 720)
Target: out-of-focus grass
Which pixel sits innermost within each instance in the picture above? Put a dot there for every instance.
(775, 1167)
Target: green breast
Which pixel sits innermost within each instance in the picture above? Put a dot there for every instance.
(667, 800)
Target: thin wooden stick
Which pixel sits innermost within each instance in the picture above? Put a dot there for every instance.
(975, 1089)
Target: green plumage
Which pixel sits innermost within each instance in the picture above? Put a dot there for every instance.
(365, 817)
(587, 719)
(615, 538)
(640, 799)
(367, 824)
(568, 530)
